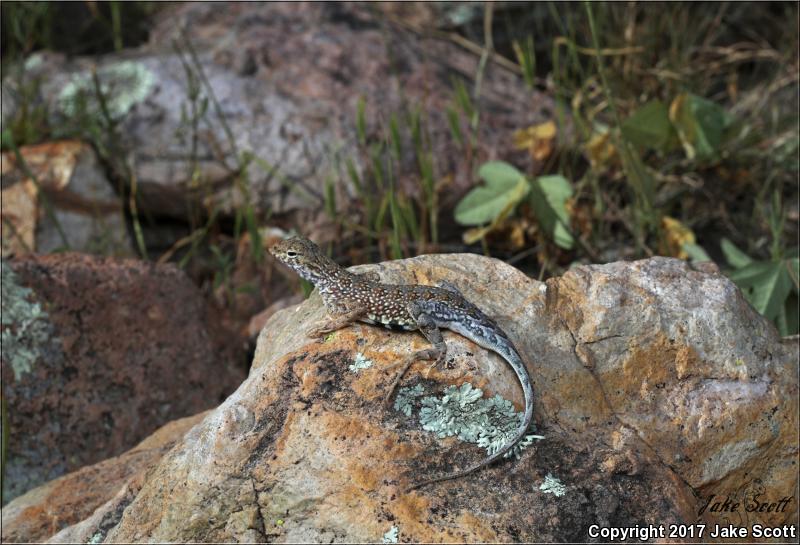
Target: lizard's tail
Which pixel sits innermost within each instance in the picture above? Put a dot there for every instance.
(513, 358)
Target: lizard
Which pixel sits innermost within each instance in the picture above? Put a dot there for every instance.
(349, 297)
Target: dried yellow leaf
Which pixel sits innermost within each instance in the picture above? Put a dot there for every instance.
(601, 150)
(674, 236)
(537, 139)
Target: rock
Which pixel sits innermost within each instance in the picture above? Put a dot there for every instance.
(287, 81)
(258, 321)
(656, 387)
(688, 367)
(83, 203)
(98, 353)
(68, 500)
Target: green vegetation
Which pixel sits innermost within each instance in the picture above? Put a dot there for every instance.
(684, 138)
(675, 133)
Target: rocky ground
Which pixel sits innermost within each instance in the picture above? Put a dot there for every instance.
(657, 387)
(130, 412)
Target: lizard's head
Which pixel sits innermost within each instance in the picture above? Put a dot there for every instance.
(305, 258)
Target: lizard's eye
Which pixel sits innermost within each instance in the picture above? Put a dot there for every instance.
(291, 253)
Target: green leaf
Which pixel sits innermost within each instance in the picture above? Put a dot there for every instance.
(700, 124)
(793, 268)
(394, 135)
(549, 195)
(455, 125)
(733, 255)
(361, 122)
(462, 98)
(330, 197)
(505, 186)
(696, 252)
(766, 284)
(7, 139)
(649, 126)
(353, 173)
(526, 58)
(256, 246)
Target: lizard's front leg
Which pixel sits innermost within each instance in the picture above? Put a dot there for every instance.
(427, 326)
(336, 321)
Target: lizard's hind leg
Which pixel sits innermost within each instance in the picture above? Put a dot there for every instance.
(334, 322)
(427, 326)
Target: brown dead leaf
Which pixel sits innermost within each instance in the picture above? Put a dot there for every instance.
(52, 164)
(18, 213)
(581, 216)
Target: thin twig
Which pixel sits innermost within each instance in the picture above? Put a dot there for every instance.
(137, 228)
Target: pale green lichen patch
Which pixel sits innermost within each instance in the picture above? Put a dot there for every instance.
(464, 413)
(33, 61)
(551, 485)
(122, 85)
(361, 362)
(392, 535)
(24, 324)
(404, 402)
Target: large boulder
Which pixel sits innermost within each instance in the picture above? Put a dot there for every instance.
(657, 387)
(88, 492)
(97, 354)
(261, 104)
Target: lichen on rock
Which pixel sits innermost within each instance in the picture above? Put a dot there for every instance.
(404, 400)
(463, 412)
(552, 485)
(361, 362)
(26, 328)
(122, 85)
(391, 536)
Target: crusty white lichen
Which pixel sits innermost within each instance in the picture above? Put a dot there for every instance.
(392, 535)
(404, 402)
(25, 327)
(122, 85)
(361, 362)
(463, 412)
(551, 485)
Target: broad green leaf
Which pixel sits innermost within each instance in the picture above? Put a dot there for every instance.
(649, 126)
(505, 186)
(752, 274)
(733, 255)
(471, 236)
(700, 124)
(695, 252)
(549, 195)
(766, 285)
